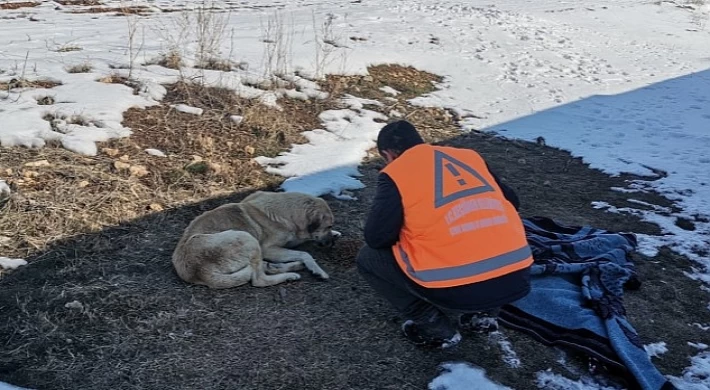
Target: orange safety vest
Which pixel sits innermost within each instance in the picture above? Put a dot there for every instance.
(458, 227)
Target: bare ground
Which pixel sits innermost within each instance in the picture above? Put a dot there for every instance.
(131, 323)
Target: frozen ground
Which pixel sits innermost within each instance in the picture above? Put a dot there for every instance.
(625, 84)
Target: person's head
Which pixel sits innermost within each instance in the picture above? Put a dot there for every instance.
(395, 138)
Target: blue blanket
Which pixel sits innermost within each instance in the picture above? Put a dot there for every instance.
(576, 301)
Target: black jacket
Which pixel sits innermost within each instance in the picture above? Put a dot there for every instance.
(382, 228)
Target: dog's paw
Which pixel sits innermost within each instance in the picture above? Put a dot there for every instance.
(322, 275)
(293, 276)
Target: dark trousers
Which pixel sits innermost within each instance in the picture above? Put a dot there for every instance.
(421, 305)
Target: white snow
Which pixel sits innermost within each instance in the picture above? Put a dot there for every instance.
(550, 381)
(463, 376)
(698, 345)
(4, 189)
(655, 349)
(328, 163)
(695, 377)
(389, 90)
(510, 357)
(188, 109)
(625, 84)
(155, 152)
(7, 386)
(10, 263)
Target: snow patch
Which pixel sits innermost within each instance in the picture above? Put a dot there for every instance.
(155, 152)
(4, 190)
(463, 376)
(550, 381)
(655, 349)
(7, 386)
(510, 357)
(698, 345)
(389, 90)
(9, 263)
(696, 376)
(328, 163)
(187, 109)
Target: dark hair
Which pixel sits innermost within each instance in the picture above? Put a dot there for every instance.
(398, 136)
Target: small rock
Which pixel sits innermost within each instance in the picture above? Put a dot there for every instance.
(110, 152)
(138, 170)
(30, 174)
(237, 119)
(214, 167)
(121, 166)
(521, 161)
(547, 183)
(249, 149)
(156, 207)
(83, 183)
(36, 164)
(74, 305)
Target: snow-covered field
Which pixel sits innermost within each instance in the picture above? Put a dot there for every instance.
(623, 83)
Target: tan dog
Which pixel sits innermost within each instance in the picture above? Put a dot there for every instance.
(226, 247)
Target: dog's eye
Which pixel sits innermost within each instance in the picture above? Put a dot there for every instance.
(313, 226)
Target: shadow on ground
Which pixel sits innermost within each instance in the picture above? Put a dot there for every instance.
(139, 326)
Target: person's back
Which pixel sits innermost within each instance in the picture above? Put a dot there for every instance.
(443, 231)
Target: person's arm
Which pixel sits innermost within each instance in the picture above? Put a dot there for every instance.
(386, 215)
(508, 192)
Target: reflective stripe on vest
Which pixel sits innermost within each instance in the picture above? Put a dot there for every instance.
(478, 268)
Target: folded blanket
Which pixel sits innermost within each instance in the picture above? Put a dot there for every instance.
(576, 300)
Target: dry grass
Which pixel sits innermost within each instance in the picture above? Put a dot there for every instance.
(18, 5)
(80, 68)
(171, 60)
(215, 64)
(207, 156)
(435, 124)
(46, 100)
(83, 3)
(119, 11)
(68, 48)
(23, 83)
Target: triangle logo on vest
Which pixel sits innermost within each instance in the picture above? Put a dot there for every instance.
(454, 180)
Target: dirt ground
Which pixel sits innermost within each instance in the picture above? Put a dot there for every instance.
(135, 324)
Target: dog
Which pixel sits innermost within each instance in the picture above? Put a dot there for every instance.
(227, 247)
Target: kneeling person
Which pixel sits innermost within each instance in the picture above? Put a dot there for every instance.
(443, 233)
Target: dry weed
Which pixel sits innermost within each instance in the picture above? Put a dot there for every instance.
(18, 5)
(119, 11)
(83, 3)
(202, 157)
(24, 83)
(80, 68)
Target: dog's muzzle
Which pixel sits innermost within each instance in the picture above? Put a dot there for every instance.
(329, 240)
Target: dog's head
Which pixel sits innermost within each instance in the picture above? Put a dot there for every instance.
(320, 224)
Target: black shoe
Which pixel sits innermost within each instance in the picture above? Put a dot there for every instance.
(478, 322)
(419, 336)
